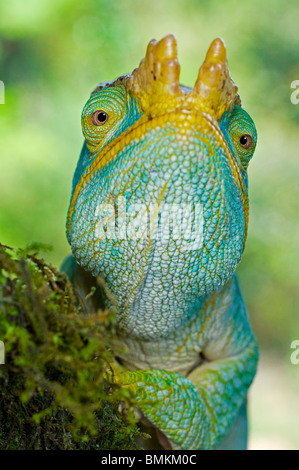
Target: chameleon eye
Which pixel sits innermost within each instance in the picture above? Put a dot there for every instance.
(245, 141)
(99, 117)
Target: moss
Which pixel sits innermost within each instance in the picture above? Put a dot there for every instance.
(56, 387)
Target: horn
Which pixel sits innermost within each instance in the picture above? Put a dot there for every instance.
(214, 85)
(158, 73)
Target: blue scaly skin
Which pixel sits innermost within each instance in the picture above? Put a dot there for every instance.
(159, 210)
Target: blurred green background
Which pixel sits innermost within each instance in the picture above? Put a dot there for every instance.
(54, 52)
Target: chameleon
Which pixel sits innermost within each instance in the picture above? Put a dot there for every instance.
(159, 211)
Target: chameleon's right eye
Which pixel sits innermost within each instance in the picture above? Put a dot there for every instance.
(99, 117)
(102, 116)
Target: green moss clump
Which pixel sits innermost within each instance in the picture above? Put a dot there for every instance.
(56, 384)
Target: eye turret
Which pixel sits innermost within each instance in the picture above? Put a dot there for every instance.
(102, 116)
(240, 132)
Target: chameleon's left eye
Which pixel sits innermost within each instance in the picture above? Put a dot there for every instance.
(99, 117)
(240, 132)
(246, 141)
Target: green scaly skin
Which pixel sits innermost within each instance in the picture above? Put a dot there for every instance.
(185, 346)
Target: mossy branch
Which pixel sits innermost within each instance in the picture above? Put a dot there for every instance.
(56, 383)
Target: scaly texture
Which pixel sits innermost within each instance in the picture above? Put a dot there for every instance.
(159, 209)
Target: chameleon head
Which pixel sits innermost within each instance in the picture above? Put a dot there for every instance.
(159, 205)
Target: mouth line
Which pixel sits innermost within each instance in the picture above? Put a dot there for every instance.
(140, 128)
